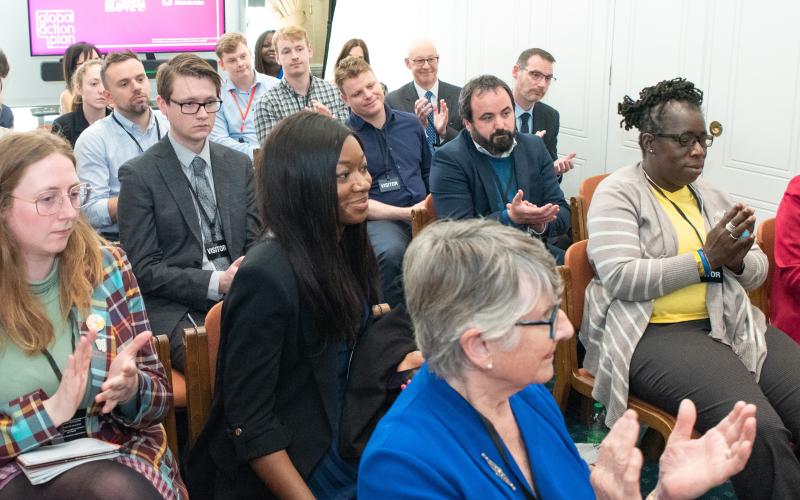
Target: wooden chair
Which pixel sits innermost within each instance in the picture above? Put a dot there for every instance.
(579, 206)
(765, 237)
(161, 346)
(576, 274)
(421, 217)
(202, 345)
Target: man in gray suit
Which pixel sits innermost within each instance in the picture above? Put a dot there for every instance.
(433, 101)
(186, 206)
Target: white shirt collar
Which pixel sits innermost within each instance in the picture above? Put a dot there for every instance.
(434, 90)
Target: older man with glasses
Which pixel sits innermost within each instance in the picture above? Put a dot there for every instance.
(433, 101)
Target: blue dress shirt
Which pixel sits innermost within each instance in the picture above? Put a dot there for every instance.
(104, 147)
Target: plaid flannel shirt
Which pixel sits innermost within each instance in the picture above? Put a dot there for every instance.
(281, 101)
(136, 425)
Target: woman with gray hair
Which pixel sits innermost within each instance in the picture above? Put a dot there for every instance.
(477, 422)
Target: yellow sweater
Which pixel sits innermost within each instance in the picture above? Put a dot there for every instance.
(688, 303)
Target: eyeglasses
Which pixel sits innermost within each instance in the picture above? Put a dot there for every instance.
(51, 202)
(538, 76)
(192, 108)
(420, 61)
(550, 322)
(688, 139)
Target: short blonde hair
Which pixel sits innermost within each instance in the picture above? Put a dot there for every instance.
(228, 43)
(350, 67)
(290, 33)
(77, 81)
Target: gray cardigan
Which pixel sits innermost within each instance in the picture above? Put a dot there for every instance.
(633, 248)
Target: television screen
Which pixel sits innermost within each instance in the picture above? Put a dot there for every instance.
(139, 25)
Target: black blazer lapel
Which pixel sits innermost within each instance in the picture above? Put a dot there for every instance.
(178, 186)
(323, 365)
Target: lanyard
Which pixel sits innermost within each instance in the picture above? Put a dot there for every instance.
(211, 222)
(307, 97)
(678, 209)
(158, 132)
(384, 135)
(501, 449)
(50, 360)
(249, 104)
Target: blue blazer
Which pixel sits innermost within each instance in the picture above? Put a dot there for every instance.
(463, 183)
(432, 443)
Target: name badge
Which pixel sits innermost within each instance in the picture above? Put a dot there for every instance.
(217, 249)
(715, 277)
(75, 428)
(389, 183)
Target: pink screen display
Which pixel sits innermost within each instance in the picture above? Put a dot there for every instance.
(139, 25)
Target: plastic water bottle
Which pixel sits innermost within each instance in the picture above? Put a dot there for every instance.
(597, 428)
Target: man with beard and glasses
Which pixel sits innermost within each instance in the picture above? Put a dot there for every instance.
(111, 141)
(490, 170)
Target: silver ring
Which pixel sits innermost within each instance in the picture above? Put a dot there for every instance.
(734, 237)
(730, 227)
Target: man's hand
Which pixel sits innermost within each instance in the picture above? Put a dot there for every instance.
(541, 133)
(422, 108)
(227, 277)
(524, 212)
(440, 119)
(320, 108)
(563, 165)
(122, 381)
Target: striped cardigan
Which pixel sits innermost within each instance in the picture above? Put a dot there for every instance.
(25, 425)
(633, 248)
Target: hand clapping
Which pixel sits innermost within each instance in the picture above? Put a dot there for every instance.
(122, 381)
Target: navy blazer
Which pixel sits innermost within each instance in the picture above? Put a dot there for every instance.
(404, 98)
(546, 118)
(463, 183)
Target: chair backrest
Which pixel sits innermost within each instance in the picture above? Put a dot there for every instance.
(421, 217)
(588, 186)
(765, 237)
(202, 345)
(161, 346)
(581, 273)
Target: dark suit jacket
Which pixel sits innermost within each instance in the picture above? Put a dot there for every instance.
(546, 118)
(276, 386)
(405, 97)
(463, 183)
(160, 230)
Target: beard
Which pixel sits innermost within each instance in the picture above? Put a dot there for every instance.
(498, 143)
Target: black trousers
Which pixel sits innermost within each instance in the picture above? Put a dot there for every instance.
(675, 361)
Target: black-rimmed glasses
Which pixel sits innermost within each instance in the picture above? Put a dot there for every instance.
(550, 322)
(192, 108)
(688, 139)
(51, 202)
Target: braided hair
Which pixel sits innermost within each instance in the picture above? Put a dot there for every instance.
(646, 113)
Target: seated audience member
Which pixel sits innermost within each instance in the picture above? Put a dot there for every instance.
(266, 62)
(6, 116)
(61, 370)
(293, 321)
(784, 300)
(433, 101)
(355, 47)
(186, 206)
(111, 141)
(532, 75)
(299, 89)
(399, 162)
(235, 123)
(668, 316)
(477, 420)
(491, 170)
(90, 102)
(76, 54)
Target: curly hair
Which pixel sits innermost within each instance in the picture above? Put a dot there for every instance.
(646, 113)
